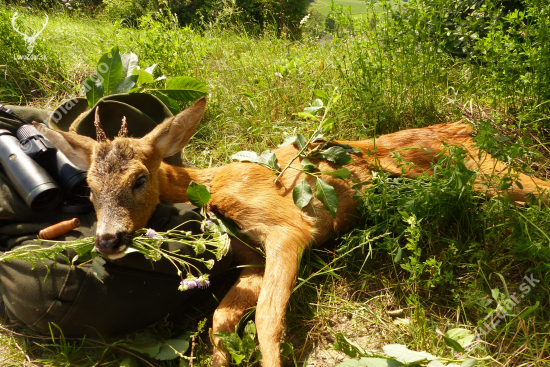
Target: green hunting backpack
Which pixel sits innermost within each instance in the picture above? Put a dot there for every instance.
(137, 292)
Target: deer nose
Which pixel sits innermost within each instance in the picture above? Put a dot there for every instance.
(109, 243)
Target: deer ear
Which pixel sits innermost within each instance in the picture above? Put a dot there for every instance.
(76, 147)
(171, 136)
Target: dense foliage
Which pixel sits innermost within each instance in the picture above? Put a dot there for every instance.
(436, 249)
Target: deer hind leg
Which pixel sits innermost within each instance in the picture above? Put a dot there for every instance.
(283, 251)
(490, 168)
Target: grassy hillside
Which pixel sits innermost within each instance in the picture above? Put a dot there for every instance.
(431, 254)
(356, 6)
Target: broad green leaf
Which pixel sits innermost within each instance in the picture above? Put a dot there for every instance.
(451, 342)
(307, 166)
(348, 148)
(237, 357)
(129, 62)
(341, 173)
(529, 310)
(350, 348)
(306, 116)
(247, 156)
(328, 124)
(143, 76)
(518, 184)
(266, 159)
(232, 343)
(315, 107)
(270, 159)
(172, 105)
(337, 155)
(327, 195)
(250, 328)
(288, 140)
(149, 347)
(126, 84)
(370, 362)
(464, 337)
(302, 194)
(399, 255)
(98, 268)
(130, 362)
(137, 90)
(109, 70)
(468, 363)
(184, 89)
(320, 94)
(335, 99)
(94, 90)
(198, 194)
(249, 345)
(301, 142)
(405, 355)
(171, 346)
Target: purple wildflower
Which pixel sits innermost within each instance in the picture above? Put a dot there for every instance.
(203, 283)
(189, 284)
(207, 225)
(151, 233)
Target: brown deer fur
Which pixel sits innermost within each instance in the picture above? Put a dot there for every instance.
(128, 177)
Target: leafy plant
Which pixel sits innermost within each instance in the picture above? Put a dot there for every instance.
(399, 354)
(160, 346)
(118, 73)
(329, 150)
(242, 351)
(146, 242)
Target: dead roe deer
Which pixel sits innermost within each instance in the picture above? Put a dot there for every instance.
(127, 177)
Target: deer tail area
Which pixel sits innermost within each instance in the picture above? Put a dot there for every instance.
(414, 152)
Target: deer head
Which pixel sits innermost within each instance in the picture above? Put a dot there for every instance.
(123, 172)
(29, 40)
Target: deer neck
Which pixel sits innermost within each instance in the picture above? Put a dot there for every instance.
(174, 181)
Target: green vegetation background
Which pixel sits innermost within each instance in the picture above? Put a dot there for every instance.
(398, 66)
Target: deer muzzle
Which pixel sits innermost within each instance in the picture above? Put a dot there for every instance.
(110, 244)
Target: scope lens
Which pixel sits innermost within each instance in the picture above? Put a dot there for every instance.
(45, 197)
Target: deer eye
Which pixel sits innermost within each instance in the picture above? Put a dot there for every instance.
(140, 182)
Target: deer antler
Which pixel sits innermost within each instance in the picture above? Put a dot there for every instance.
(123, 133)
(35, 35)
(101, 137)
(14, 26)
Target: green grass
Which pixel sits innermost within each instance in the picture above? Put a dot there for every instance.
(392, 74)
(355, 6)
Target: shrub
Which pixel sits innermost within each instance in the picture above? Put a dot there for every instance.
(255, 14)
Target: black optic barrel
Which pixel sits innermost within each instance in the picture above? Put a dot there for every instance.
(31, 181)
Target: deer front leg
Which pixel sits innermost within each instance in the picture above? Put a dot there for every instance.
(240, 298)
(283, 251)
